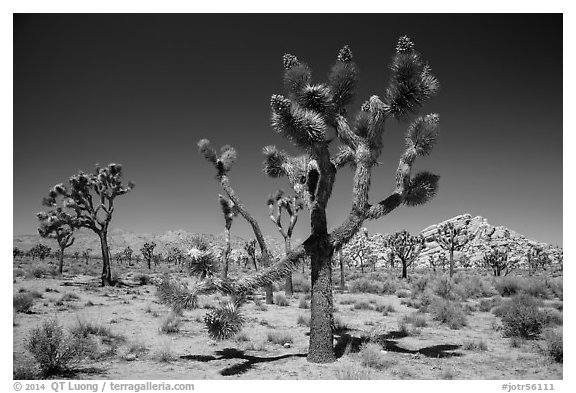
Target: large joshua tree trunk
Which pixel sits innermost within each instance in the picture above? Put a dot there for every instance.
(226, 255)
(106, 278)
(288, 289)
(451, 262)
(342, 276)
(404, 269)
(61, 260)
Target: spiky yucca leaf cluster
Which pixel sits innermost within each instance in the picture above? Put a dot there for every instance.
(421, 188)
(296, 74)
(223, 164)
(289, 61)
(303, 127)
(274, 161)
(203, 263)
(224, 322)
(404, 45)
(422, 134)
(344, 54)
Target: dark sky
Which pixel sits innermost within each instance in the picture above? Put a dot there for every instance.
(141, 90)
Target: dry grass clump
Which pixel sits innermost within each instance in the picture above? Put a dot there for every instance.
(354, 372)
(372, 356)
(280, 300)
(278, 337)
(303, 303)
(303, 320)
(475, 345)
(171, 324)
(448, 312)
(165, 354)
(23, 302)
(417, 319)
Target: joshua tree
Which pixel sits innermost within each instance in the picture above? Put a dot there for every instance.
(358, 249)
(147, 251)
(175, 255)
(86, 254)
(406, 247)
(76, 255)
(229, 211)
(41, 251)
(277, 203)
(451, 238)
(536, 257)
(223, 164)
(91, 198)
(127, 254)
(438, 259)
(57, 224)
(498, 260)
(313, 116)
(250, 248)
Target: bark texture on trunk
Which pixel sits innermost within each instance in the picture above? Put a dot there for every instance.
(106, 278)
(61, 260)
(288, 289)
(451, 263)
(226, 255)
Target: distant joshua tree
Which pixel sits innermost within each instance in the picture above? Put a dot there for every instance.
(175, 255)
(498, 260)
(17, 253)
(147, 252)
(127, 254)
(537, 258)
(250, 248)
(90, 199)
(312, 116)
(405, 247)
(57, 224)
(451, 238)
(229, 211)
(76, 255)
(41, 251)
(86, 255)
(277, 203)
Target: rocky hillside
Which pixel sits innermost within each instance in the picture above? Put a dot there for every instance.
(481, 233)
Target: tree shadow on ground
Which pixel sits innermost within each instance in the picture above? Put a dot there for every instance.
(76, 373)
(232, 353)
(345, 342)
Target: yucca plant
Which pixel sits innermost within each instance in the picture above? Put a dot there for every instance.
(224, 322)
(203, 263)
(312, 116)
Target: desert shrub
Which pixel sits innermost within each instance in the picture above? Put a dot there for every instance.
(516, 342)
(171, 324)
(19, 272)
(554, 347)
(137, 348)
(389, 286)
(280, 338)
(242, 337)
(224, 322)
(402, 293)
(354, 372)
(472, 287)
(371, 355)
(443, 287)
(38, 271)
(403, 328)
(303, 303)
(508, 285)
(300, 283)
(555, 286)
(258, 346)
(417, 319)
(303, 320)
(165, 354)
(536, 287)
(486, 305)
(23, 302)
(475, 346)
(506, 305)
(419, 285)
(384, 308)
(345, 300)
(552, 316)
(56, 351)
(280, 300)
(362, 305)
(448, 312)
(339, 324)
(521, 317)
(365, 285)
(69, 297)
(143, 279)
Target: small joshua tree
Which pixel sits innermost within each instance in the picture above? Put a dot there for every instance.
(498, 260)
(358, 249)
(451, 238)
(312, 116)
(147, 252)
(277, 203)
(229, 211)
(127, 254)
(90, 198)
(76, 255)
(405, 247)
(41, 251)
(17, 253)
(175, 255)
(86, 255)
(250, 248)
(536, 258)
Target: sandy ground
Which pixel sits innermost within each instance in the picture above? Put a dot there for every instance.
(431, 352)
